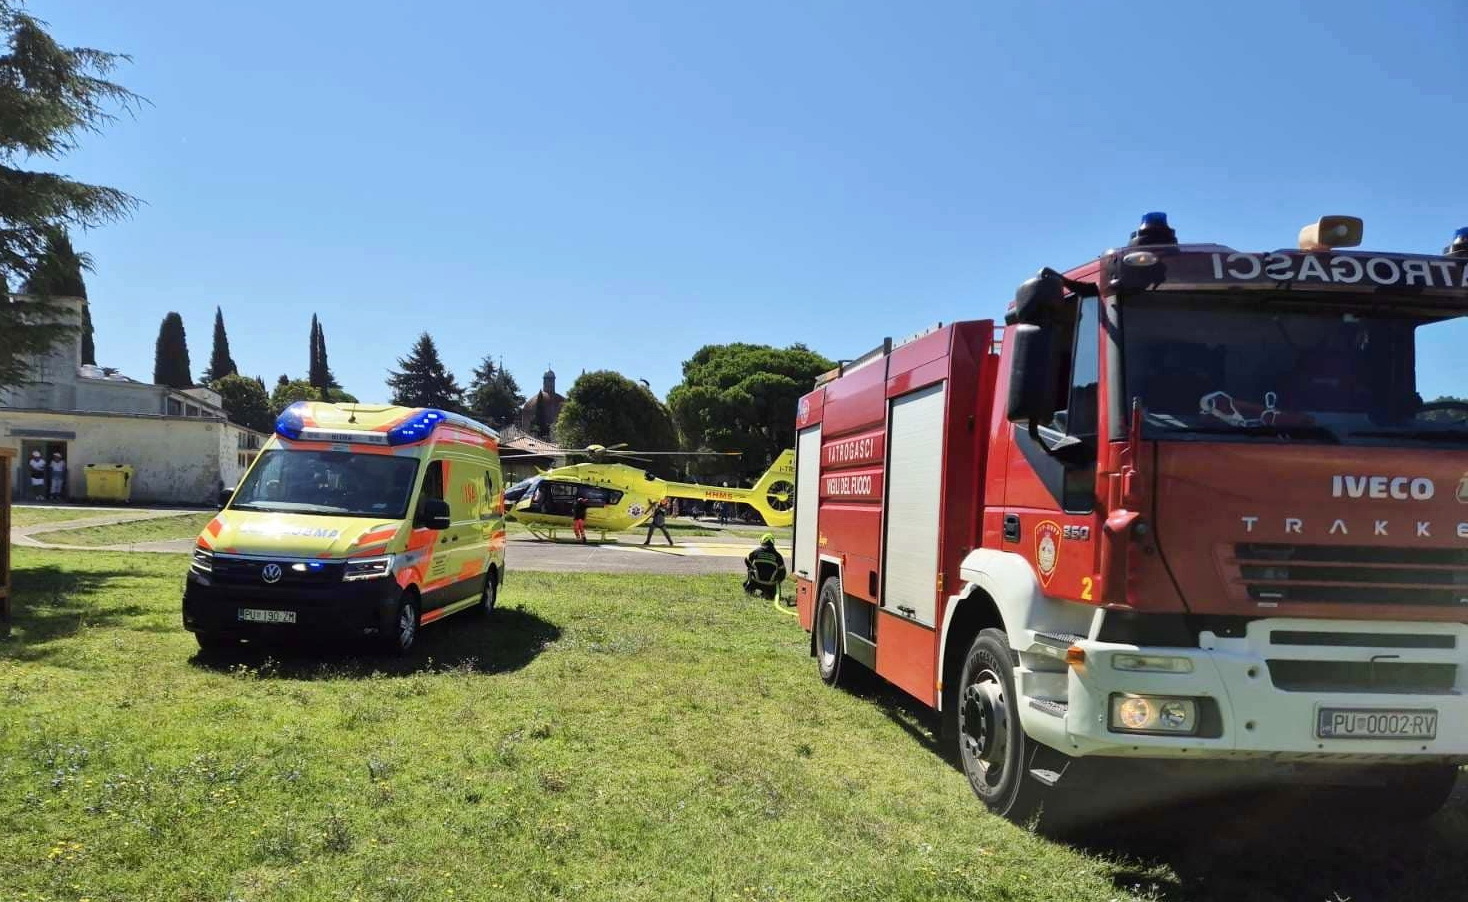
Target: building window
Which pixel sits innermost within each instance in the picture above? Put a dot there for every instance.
(175, 407)
(192, 411)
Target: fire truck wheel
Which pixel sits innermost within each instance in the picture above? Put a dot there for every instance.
(991, 744)
(829, 637)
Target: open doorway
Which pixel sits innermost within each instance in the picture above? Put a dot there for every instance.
(54, 473)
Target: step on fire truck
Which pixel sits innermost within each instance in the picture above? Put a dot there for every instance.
(1189, 506)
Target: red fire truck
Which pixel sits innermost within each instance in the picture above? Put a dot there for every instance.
(1188, 505)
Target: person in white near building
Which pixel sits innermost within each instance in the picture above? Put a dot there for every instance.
(38, 476)
(58, 476)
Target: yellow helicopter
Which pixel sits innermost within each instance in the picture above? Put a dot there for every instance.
(621, 497)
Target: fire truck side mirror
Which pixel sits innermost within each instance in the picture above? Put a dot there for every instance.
(1039, 300)
(1033, 376)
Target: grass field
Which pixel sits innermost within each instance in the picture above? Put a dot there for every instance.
(183, 526)
(32, 516)
(599, 737)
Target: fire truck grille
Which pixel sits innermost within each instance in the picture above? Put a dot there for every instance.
(1343, 574)
(1362, 676)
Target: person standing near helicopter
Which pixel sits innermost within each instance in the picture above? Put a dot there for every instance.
(658, 521)
(578, 518)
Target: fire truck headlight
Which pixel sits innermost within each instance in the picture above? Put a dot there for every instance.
(1153, 714)
(1151, 663)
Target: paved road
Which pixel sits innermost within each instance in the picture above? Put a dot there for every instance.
(624, 554)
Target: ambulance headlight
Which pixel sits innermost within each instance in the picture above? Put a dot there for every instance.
(203, 561)
(1153, 714)
(368, 568)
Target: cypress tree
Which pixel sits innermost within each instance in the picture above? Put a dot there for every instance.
(220, 363)
(422, 380)
(171, 354)
(89, 344)
(313, 367)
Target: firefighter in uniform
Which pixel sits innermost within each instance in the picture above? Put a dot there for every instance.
(765, 569)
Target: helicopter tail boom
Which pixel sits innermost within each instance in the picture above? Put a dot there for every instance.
(773, 495)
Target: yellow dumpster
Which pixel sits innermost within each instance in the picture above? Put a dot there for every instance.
(109, 482)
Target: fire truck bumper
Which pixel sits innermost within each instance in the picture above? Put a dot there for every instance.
(1311, 690)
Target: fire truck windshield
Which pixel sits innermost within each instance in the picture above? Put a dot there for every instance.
(1272, 369)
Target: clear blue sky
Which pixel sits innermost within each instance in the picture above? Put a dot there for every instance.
(612, 185)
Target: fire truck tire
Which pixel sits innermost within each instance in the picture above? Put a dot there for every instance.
(830, 638)
(992, 747)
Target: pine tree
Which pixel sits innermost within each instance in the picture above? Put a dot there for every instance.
(171, 354)
(52, 95)
(494, 396)
(422, 380)
(220, 363)
(89, 341)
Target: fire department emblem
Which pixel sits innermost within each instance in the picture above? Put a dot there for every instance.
(1463, 489)
(1047, 549)
(802, 412)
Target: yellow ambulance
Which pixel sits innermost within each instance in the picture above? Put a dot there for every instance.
(355, 520)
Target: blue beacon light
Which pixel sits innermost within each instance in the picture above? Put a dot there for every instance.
(1153, 230)
(415, 429)
(1459, 247)
(289, 424)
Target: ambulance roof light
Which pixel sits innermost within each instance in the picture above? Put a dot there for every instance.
(1459, 247)
(290, 423)
(416, 428)
(1331, 231)
(1153, 230)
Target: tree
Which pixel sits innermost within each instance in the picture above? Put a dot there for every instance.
(58, 270)
(422, 380)
(494, 397)
(604, 407)
(319, 372)
(171, 354)
(245, 402)
(220, 363)
(290, 391)
(89, 339)
(49, 96)
(742, 397)
(1445, 416)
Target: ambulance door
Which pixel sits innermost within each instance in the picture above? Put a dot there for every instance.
(438, 549)
(464, 478)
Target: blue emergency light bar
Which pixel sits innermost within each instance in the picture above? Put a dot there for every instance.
(416, 428)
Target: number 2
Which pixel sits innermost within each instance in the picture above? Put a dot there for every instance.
(1086, 584)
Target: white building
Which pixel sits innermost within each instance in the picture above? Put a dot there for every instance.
(178, 442)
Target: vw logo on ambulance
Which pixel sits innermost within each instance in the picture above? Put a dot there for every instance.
(270, 573)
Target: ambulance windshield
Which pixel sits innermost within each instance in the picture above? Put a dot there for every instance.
(1263, 370)
(334, 483)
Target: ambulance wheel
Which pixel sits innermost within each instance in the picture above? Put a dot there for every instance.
(490, 596)
(403, 632)
(830, 639)
(991, 744)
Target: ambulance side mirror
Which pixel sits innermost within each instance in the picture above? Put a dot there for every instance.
(434, 513)
(224, 496)
(1033, 376)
